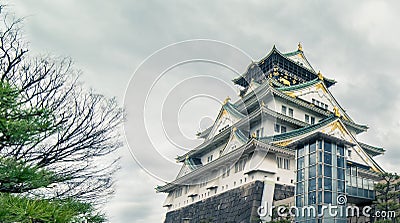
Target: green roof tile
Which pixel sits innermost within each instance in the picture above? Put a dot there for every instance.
(300, 131)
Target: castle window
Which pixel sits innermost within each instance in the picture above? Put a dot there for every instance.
(225, 172)
(178, 192)
(309, 119)
(283, 129)
(209, 159)
(277, 128)
(286, 164)
(284, 109)
(260, 132)
(290, 112)
(279, 161)
(239, 165)
(283, 163)
(319, 104)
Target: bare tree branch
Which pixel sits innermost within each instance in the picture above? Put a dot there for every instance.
(85, 127)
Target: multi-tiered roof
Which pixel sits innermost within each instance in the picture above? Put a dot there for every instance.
(284, 76)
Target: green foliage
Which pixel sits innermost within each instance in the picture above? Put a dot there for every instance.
(22, 209)
(275, 218)
(19, 123)
(384, 221)
(48, 121)
(19, 177)
(387, 194)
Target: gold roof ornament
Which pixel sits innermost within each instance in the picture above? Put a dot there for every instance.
(227, 99)
(284, 143)
(336, 111)
(320, 76)
(299, 47)
(284, 81)
(275, 71)
(187, 156)
(262, 103)
(291, 94)
(254, 135)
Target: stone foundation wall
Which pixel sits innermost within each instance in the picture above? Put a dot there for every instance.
(237, 205)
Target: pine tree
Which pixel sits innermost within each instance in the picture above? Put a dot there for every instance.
(18, 125)
(387, 196)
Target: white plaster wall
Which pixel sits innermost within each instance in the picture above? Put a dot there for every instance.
(318, 94)
(215, 152)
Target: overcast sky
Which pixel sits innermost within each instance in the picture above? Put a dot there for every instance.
(355, 42)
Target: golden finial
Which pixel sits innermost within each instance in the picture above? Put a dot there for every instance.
(336, 111)
(299, 47)
(262, 103)
(227, 99)
(187, 156)
(254, 135)
(320, 76)
(234, 128)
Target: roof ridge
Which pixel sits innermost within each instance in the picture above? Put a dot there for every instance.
(292, 53)
(371, 146)
(240, 135)
(294, 132)
(301, 85)
(231, 108)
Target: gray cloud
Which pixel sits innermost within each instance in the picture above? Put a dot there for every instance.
(354, 42)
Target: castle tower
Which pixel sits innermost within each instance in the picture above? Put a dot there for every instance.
(286, 141)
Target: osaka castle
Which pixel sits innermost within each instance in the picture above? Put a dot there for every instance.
(286, 142)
